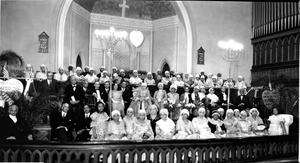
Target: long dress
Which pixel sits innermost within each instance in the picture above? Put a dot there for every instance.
(117, 101)
(164, 129)
(116, 131)
(244, 128)
(99, 122)
(159, 97)
(173, 99)
(257, 121)
(142, 130)
(144, 98)
(129, 125)
(184, 130)
(275, 127)
(200, 126)
(231, 127)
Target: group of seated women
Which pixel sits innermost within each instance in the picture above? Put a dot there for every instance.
(161, 127)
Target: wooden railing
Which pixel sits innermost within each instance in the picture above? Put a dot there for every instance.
(209, 150)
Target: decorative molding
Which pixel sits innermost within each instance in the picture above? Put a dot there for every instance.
(165, 22)
(81, 11)
(108, 20)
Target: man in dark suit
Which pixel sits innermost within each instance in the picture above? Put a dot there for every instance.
(14, 127)
(62, 124)
(242, 101)
(49, 86)
(74, 96)
(83, 125)
(127, 94)
(104, 95)
(223, 97)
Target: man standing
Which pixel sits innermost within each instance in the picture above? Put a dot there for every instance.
(74, 96)
(127, 94)
(49, 87)
(14, 127)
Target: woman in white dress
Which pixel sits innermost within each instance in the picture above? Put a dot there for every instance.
(129, 121)
(200, 125)
(184, 127)
(160, 95)
(116, 99)
(244, 126)
(231, 124)
(142, 128)
(116, 128)
(276, 124)
(236, 114)
(257, 123)
(165, 127)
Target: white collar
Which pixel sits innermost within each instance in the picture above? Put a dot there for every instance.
(13, 118)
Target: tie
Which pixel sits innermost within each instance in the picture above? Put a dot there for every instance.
(63, 115)
(74, 87)
(49, 82)
(241, 97)
(86, 116)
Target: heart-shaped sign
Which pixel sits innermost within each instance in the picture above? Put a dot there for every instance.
(271, 98)
(11, 85)
(136, 38)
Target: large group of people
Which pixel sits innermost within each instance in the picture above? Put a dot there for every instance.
(160, 106)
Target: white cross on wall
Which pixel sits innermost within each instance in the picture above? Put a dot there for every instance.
(124, 6)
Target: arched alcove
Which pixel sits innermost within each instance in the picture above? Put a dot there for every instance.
(78, 61)
(59, 32)
(165, 67)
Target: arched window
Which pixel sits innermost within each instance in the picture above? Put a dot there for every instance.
(78, 61)
(262, 54)
(165, 67)
(285, 50)
(268, 54)
(292, 48)
(279, 51)
(273, 52)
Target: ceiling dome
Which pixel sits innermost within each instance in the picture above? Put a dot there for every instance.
(145, 10)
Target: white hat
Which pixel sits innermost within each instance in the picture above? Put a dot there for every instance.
(240, 77)
(185, 111)
(164, 111)
(214, 77)
(173, 86)
(78, 68)
(201, 109)
(254, 109)
(135, 71)
(220, 109)
(114, 112)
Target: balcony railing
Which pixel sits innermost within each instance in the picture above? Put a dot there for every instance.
(208, 150)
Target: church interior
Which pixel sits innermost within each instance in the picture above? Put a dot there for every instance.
(255, 45)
